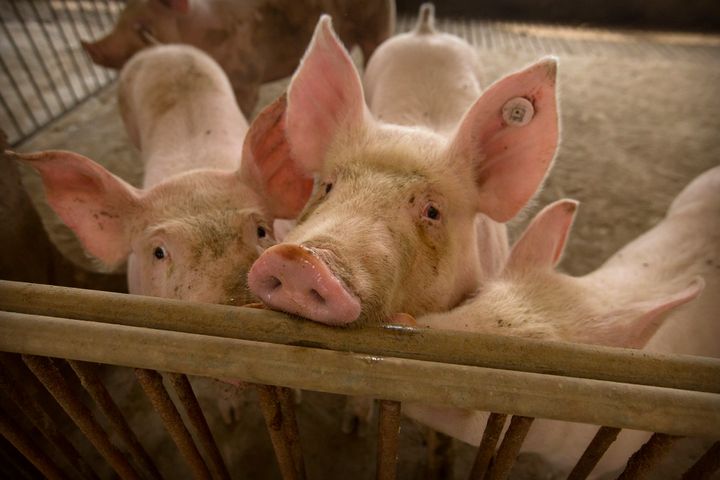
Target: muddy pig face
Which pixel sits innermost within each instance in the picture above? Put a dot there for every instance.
(389, 225)
(193, 236)
(139, 22)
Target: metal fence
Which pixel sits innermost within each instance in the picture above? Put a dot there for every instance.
(672, 395)
(44, 73)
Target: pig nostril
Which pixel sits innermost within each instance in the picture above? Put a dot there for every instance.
(315, 295)
(274, 282)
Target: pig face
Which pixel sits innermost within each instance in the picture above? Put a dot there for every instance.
(158, 18)
(388, 226)
(192, 236)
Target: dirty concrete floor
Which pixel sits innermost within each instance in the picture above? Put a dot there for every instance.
(637, 125)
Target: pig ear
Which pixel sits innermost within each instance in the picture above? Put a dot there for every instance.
(179, 6)
(510, 136)
(269, 168)
(543, 242)
(325, 97)
(632, 326)
(95, 204)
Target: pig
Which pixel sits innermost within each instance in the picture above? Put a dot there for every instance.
(254, 42)
(630, 301)
(202, 216)
(403, 188)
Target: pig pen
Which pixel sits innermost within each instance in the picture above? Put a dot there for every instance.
(639, 122)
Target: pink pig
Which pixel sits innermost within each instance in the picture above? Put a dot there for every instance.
(629, 301)
(202, 216)
(253, 41)
(398, 188)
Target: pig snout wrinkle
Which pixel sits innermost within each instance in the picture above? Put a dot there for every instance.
(290, 278)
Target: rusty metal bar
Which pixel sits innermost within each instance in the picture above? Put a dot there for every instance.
(648, 456)
(152, 383)
(388, 439)
(14, 384)
(274, 420)
(291, 430)
(57, 385)
(706, 465)
(25, 445)
(89, 378)
(462, 348)
(602, 440)
(439, 455)
(671, 411)
(486, 450)
(510, 447)
(194, 412)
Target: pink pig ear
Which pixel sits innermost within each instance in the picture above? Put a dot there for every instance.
(95, 204)
(543, 242)
(179, 6)
(510, 135)
(268, 166)
(325, 97)
(633, 325)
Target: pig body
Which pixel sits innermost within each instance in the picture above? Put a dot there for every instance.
(254, 42)
(201, 218)
(398, 188)
(627, 302)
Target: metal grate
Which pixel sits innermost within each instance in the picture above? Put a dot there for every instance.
(44, 73)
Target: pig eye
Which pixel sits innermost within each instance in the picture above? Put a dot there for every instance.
(261, 232)
(159, 253)
(328, 187)
(431, 212)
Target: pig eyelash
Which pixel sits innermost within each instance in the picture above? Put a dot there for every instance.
(431, 212)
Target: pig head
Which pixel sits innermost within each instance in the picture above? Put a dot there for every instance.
(254, 42)
(391, 219)
(193, 236)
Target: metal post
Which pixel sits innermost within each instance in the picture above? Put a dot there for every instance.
(706, 465)
(648, 456)
(509, 448)
(271, 408)
(604, 437)
(388, 439)
(489, 441)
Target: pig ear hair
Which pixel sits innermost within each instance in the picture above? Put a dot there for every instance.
(510, 136)
(268, 166)
(179, 6)
(325, 97)
(94, 203)
(632, 326)
(543, 241)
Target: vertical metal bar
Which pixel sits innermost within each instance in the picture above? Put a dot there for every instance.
(489, 441)
(57, 385)
(274, 420)
(56, 54)
(73, 25)
(25, 67)
(187, 398)
(440, 455)
(91, 31)
(602, 440)
(25, 445)
(38, 56)
(509, 448)
(15, 387)
(104, 19)
(11, 115)
(648, 456)
(706, 465)
(90, 380)
(16, 87)
(152, 384)
(71, 50)
(292, 432)
(388, 439)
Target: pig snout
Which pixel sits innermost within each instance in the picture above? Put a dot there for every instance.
(291, 278)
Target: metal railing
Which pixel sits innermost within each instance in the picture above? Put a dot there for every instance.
(670, 394)
(44, 73)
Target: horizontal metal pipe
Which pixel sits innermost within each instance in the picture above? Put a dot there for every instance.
(509, 353)
(519, 393)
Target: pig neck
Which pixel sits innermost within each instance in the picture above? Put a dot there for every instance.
(195, 133)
